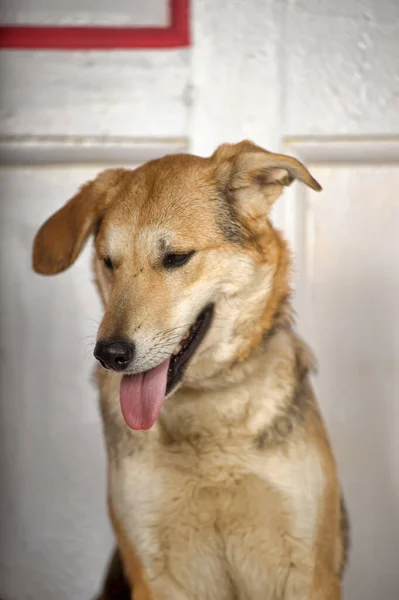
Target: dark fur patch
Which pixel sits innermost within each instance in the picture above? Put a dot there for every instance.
(284, 424)
(293, 413)
(228, 220)
(97, 225)
(345, 532)
(116, 586)
(230, 226)
(227, 216)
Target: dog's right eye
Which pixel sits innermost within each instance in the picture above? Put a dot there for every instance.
(174, 260)
(108, 263)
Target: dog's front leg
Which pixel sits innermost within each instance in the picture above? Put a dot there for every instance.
(325, 585)
(319, 585)
(153, 584)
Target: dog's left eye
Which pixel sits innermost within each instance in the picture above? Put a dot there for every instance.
(171, 260)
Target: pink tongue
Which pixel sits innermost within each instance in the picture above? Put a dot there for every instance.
(142, 396)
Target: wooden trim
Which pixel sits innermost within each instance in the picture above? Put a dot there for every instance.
(30, 151)
(27, 37)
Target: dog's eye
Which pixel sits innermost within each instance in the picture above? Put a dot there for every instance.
(171, 260)
(108, 263)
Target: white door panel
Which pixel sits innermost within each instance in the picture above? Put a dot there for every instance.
(347, 245)
(141, 94)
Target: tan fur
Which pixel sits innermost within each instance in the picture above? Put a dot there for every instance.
(132, 564)
(233, 494)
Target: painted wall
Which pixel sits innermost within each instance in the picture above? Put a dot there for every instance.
(264, 70)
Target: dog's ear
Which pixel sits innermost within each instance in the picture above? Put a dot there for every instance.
(254, 177)
(61, 238)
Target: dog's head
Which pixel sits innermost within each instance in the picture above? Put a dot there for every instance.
(188, 265)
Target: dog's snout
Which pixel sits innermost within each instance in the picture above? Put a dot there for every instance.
(115, 354)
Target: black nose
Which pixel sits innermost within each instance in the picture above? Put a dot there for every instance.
(115, 354)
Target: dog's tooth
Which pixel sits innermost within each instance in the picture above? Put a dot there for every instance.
(178, 349)
(181, 344)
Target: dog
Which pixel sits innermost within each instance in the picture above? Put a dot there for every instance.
(222, 483)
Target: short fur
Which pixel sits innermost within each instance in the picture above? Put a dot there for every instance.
(234, 492)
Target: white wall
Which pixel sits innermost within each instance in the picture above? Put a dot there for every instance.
(269, 71)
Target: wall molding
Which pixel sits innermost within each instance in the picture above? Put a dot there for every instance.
(31, 151)
(176, 35)
(344, 150)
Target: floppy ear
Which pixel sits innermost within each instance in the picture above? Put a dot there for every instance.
(254, 177)
(60, 240)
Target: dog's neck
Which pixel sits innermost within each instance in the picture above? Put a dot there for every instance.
(269, 388)
(259, 383)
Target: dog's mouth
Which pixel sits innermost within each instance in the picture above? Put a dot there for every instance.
(187, 347)
(142, 395)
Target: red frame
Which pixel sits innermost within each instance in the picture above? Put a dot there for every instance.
(27, 37)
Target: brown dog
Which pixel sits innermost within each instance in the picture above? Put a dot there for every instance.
(222, 483)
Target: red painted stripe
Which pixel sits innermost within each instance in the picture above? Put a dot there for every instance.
(177, 35)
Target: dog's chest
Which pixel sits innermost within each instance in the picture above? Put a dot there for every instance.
(183, 511)
(169, 510)
(155, 486)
